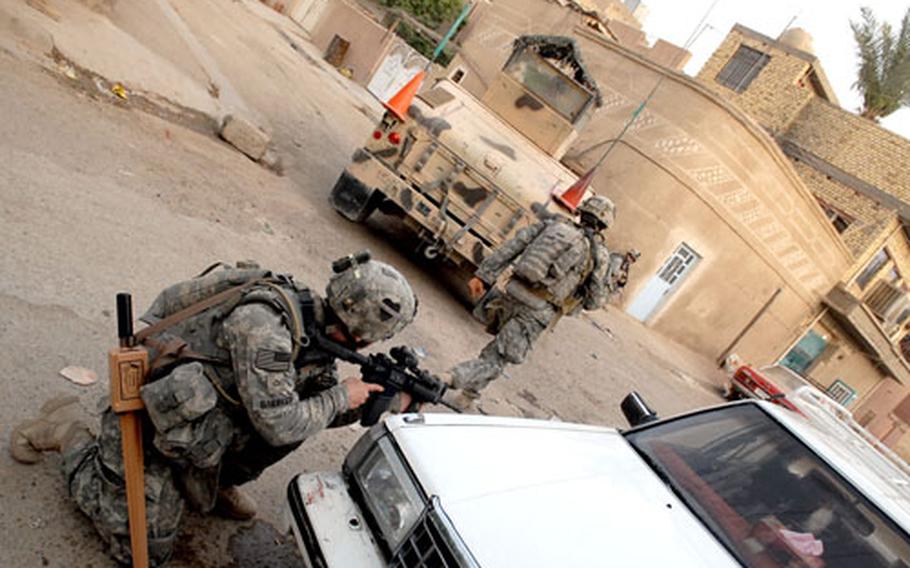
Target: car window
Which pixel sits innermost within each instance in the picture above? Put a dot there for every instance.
(544, 80)
(766, 495)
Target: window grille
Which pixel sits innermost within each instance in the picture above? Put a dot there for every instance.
(742, 68)
(841, 392)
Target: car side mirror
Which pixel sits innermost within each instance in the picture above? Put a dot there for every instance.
(636, 410)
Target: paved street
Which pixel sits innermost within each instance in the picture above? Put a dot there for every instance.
(97, 197)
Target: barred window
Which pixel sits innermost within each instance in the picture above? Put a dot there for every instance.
(743, 68)
(841, 392)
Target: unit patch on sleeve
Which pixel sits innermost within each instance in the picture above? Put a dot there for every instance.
(275, 361)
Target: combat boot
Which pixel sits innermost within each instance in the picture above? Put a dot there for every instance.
(465, 400)
(57, 427)
(232, 503)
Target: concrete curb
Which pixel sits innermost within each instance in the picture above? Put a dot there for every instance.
(29, 35)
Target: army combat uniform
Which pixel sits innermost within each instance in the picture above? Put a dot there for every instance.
(233, 390)
(618, 271)
(558, 268)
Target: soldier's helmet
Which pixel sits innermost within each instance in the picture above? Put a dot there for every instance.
(372, 299)
(598, 209)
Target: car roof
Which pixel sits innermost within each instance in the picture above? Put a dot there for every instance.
(782, 377)
(879, 474)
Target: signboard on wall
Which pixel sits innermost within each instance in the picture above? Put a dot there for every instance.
(398, 67)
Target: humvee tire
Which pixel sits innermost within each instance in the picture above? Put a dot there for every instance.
(353, 199)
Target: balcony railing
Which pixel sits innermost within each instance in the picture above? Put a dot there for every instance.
(864, 326)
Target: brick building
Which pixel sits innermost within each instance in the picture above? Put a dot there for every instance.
(738, 256)
(771, 221)
(857, 172)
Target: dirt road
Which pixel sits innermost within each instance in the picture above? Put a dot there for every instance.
(97, 198)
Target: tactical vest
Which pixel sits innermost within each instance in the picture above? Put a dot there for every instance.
(185, 318)
(556, 261)
(191, 397)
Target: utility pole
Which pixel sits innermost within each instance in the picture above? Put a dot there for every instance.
(465, 10)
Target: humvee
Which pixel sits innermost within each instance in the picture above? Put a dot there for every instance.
(465, 174)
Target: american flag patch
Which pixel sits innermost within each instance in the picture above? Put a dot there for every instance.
(269, 360)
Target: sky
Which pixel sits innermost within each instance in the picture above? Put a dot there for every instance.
(828, 21)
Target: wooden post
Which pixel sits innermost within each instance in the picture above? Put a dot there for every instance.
(128, 368)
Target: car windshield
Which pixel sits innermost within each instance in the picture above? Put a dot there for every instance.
(548, 83)
(766, 495)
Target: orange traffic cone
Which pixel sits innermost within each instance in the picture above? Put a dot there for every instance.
(571, 197)
(401, 101)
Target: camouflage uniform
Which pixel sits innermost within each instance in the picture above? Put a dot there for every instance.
(558, 268)
(618, 271)
(212, 423)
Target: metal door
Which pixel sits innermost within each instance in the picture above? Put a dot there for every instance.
(667, 280)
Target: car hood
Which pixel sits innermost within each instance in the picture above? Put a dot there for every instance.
(536, 493)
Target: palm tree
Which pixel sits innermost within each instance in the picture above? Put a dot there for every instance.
(884, 67)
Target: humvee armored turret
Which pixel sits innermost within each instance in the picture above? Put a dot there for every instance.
(465, 174)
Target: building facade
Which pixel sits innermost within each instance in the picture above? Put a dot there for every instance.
(736, 254)
(770, 220)
(856, 171)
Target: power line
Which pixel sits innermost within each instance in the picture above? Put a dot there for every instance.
(696, 31)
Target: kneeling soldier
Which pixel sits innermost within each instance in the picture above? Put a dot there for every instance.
(232, 389)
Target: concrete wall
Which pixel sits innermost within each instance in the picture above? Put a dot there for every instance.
(308, 13)
(669, 55)
(694, 169)
(843, 359)
(626, 34)
(874, 410)
(369, 41)
(486, 40)
(730, 285)
(616, 10)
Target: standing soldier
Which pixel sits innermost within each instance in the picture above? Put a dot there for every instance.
(233, 388)
(618, 272)
(558, 267)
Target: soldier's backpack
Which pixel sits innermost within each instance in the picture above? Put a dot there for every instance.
(213, 280)
(185, 313)
(559, 250)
